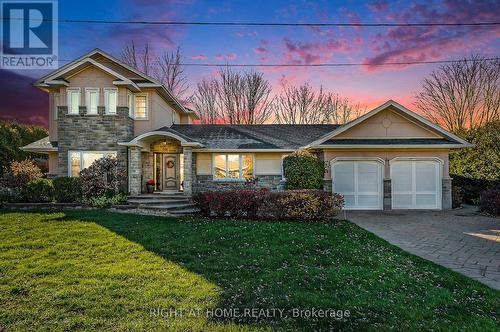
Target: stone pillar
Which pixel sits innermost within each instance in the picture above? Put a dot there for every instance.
(446, 194)
(188, 170)
(134, 171)
(387, 195)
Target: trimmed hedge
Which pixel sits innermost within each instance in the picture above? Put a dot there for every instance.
(67, 189)
(39, 191)
(490, 202)
(263, 204)
(303, 170)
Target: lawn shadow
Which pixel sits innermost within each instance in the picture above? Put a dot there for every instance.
(295, 267)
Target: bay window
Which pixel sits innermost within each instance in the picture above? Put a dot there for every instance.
(232, 166)
(141, 107)
(73, 100)
(91, 99)
(130, 106)
(79, 160)
(110, 100)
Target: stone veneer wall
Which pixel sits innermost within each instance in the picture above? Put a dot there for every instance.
(446, 196)
(205, 182)
(100, 132)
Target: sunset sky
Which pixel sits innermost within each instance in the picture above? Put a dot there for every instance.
(368, 85)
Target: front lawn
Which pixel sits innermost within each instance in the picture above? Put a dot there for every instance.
(96, 270)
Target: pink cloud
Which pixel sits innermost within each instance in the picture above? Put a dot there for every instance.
(227, 56)
(199, 57)
(403, 44)
(378, 5)
(260, 50)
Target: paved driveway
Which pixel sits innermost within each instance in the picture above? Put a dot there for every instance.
(461, 240)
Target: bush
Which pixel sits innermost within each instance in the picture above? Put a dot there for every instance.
(67, 189)
(472, 188)
(102, 178)
(106, 201)
(481, 161)
(10, 195)
(490, 202)
(303, 170)
(39, 190)
(19, 173)
(456, 196)
(262, 204)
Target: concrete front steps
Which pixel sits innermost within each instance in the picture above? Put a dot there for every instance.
(172, 202)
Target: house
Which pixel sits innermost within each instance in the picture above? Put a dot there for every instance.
(390, 158)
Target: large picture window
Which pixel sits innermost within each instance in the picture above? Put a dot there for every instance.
(232, 166)
(79, 160)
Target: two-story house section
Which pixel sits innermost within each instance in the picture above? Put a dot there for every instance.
(96, 102)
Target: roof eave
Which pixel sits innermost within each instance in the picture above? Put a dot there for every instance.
(390, 146)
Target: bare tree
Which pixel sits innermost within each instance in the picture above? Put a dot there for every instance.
(141, 60)
(167, 68)
(243, 98)
(300, 105)
(169, 71)
(204, 100)
(341, 110)
(462, 94)
(258, 103)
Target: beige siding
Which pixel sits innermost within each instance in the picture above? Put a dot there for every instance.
(387, 124)
(52, 115)
(185, 119)
(386, 155)
(268, 163)
(53, 163)
(203, 163)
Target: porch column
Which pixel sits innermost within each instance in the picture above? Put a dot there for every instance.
(188, 169)
(134, 170)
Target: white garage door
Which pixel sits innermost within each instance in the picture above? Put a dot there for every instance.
(416, 184)
(360, 182)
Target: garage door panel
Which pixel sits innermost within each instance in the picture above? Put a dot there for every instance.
(426, 175)
(360, 182)
(344, 177)
(416, 184)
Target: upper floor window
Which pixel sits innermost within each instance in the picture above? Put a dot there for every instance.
(73, 100)
(141, 107)
(232, 166)
(110, 100)
(91, 100)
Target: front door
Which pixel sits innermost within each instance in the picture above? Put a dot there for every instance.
(170, 172)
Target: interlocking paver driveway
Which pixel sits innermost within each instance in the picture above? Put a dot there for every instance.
(461, 240)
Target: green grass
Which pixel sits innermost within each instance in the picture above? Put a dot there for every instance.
(96, 270)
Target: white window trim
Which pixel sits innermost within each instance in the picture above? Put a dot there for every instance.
(87, 100)
(82, 152)
(240, 167)
(130, 105)
(68, 100)
(106, 96)
(147, 106)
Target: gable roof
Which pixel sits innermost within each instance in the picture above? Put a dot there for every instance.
(252, 137)
(454, 140)
(135, 83)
